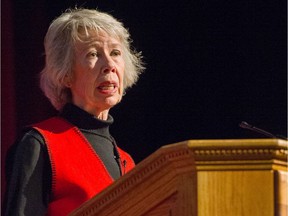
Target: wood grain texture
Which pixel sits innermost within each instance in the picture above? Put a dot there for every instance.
(241, 177)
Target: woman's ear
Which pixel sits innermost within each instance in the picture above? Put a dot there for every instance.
(67, 81)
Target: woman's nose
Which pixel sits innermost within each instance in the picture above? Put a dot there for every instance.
(109, 69)
(108, 65)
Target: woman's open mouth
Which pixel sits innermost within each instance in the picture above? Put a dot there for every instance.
(108, 87)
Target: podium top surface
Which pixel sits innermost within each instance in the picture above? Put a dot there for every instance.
(238, 143)
(235, 153)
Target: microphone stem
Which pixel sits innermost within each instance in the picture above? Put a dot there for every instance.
(263, 132)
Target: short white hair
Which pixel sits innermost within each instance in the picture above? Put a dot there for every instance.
(59, 45)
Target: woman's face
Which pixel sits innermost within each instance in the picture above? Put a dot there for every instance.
(98, 70)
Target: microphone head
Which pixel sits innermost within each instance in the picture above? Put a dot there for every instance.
(244, 124)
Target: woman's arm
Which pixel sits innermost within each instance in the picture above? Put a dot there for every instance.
(28, 173)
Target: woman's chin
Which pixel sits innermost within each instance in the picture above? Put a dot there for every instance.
(112, 101)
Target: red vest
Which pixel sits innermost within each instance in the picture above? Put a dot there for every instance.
(78, 173)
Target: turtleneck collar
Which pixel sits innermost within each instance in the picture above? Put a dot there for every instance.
(84, 120)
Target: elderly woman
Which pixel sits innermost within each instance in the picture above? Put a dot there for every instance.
(61, 162)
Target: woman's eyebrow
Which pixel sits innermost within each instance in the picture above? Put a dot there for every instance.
(98, 43)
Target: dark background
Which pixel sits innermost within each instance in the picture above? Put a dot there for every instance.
(210, 65)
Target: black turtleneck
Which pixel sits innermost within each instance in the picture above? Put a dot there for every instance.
(28, 168)
(96, 131)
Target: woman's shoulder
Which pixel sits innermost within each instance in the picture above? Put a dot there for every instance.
(28, 146)
(30, 136)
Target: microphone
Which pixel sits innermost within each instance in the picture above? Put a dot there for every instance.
(245, 125)
(118, 159)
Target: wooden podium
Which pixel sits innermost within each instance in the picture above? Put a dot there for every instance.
(245, 177)
(241, 177)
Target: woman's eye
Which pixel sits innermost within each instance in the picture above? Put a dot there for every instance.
(116, 53)
(93, 54)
